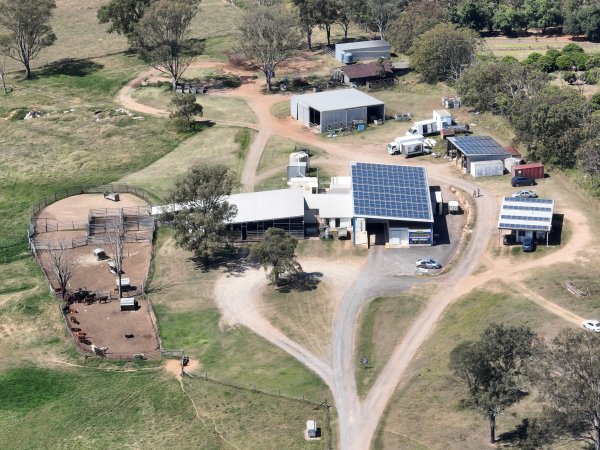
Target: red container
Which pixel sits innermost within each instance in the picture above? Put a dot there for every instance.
(533, 170)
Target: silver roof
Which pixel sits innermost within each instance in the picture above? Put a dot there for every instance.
(533, 214)
(362, 44)
(337, 99)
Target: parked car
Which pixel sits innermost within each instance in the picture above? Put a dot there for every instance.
(528, 245)
(428, 264)
(526, 193)
(522, 181)
(508, 239)
(593, 325)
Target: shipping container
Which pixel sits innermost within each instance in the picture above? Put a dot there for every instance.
(510, 162)
(533, 170)
(487, 168)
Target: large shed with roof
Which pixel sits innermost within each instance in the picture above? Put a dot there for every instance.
(469, 149)
(336, 109)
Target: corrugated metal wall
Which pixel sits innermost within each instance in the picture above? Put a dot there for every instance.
(334, 118)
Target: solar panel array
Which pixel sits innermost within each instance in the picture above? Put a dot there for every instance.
(537, 220)
(528, 200)
(390, 191)
(478, 145)
(523, 226)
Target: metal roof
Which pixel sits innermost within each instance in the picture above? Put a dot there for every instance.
(337, 99)
(331, 205)
(532, 214)
(385, 191)
(478, 145)
(371, 69)
(257, 206)
(362, 44)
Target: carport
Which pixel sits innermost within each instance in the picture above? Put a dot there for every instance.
(526, 218)
(469, 149)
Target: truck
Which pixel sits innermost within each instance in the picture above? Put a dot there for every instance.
(442, 122)
(408, 146)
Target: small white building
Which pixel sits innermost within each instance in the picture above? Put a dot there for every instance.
(487, 168)
(352, 52)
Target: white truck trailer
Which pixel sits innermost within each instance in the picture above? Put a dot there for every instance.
(442, 120)
(408, 146)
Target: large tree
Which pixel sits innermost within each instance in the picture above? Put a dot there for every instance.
(568, 376)
(275, 253)
(475, 14)
(4, 50)
(268, 36)
(201, 214)
(123, 15)
(441, 53)
(308, 16)
(162, 37)
(29, 31)
(416, 19)
(62, 267)
(381, 13)
(327, 15)
(492, 369)
(349, 11)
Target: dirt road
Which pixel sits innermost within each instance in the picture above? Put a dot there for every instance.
(238, 297)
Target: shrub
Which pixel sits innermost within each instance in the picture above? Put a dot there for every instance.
(545, 64)
(572, 48)
(592, 62)
(564, 62)
(580, 60)
(532, 58)
(592, 76)
(553, 54)
(595, 101)
(19, 114)
(569, 77)
(510, 60)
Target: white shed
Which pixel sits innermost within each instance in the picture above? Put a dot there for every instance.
(487, 168)
(364, 50)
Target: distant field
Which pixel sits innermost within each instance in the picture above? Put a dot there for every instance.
(521, 47)
(98, 409)
(425, 412)
(216, 145)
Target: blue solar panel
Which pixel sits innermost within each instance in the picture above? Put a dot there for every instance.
(478, 145)
(389, 191)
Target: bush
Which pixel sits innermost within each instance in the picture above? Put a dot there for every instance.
(545, 64)
(19, 114)
(553, 54)
(572, 48)
(564, 62)
(510, 60)
(580, 60)
(593, 62)
(569, 77)
(532, 58)
(595, 101)
(592, 76)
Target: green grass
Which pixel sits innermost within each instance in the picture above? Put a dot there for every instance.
(382, 324)
(91, 408)
(426, 407)
(188, 319)
(277, 153)
(215, 145)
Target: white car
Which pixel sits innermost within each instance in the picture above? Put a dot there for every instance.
(525, 193)
(428, 264)
(593, 325)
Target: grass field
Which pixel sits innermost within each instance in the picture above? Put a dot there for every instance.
(214, 106)
(216, 145)
(382, 325)
(425, 411)
(95, 409)
(277, 152)
(521, 47)
(188, 319)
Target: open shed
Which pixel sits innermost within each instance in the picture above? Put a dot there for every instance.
(527, 217)
(336, 109)
(352, 52)
(468, 149)
(360, 74)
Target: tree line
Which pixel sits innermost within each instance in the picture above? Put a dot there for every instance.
(509, 363)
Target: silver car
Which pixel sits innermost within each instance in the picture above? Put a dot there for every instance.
(525, 193)
(428, 264)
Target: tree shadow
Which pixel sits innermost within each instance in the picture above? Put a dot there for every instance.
(301, 282)
(73, 67)
(234, 261)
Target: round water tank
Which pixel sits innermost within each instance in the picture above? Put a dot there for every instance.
(347, 57)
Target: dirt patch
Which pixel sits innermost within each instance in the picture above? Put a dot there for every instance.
(77, 207)
(173, 366)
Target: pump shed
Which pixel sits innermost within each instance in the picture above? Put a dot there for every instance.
(336, 109)
(352, 52)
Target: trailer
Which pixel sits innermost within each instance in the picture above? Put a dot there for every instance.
(408, 146)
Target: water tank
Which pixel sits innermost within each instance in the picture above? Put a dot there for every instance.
(347, 57)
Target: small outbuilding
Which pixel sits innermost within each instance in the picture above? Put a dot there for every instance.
(361, 74)
(487, 168)
(531, 170)
(352, 52)
(527, 217)
(128, 304)
(336, 109)
(469, 149)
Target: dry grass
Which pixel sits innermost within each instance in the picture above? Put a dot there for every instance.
(425, 411)
(277, 152)
(331, 249)
(521, 47)
(214, 145)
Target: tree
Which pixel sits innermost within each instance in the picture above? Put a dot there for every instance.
(567, 375)
(327, 14)
(276, 252)
(416, 19)
(185, 109)
(441, 53)
(493, 368)
(550, 123)
(475, 14)
(269, 37)
(308, 17)
(543, 13)
(116, 242)
(62, 267)
(201, 225)
(349, 11)
(29, 29)
(123, 15)
(4, 49)
(381, 13)
(162, 37)
(589, 20)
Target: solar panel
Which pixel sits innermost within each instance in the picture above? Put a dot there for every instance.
(528, 200)
(478, 145)
(390, 191)
(523, 226)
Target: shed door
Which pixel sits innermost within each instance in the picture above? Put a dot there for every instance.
(404, 236)
(303, 115)
(394, 237)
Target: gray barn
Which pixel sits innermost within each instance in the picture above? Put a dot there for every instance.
(335, 109)
(360, 51)
(469, 149)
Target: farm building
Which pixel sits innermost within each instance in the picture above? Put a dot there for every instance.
(333, 209)
(360, 74)
(352, 52)
(469, 149)
(526, 217)
(336, 109)
(391, 205)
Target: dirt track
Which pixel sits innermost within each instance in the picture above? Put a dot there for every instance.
(238, 297)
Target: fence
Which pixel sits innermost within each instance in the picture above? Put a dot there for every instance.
(63, 244)
(42, 225)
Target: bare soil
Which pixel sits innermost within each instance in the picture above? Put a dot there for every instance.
(76, 208)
